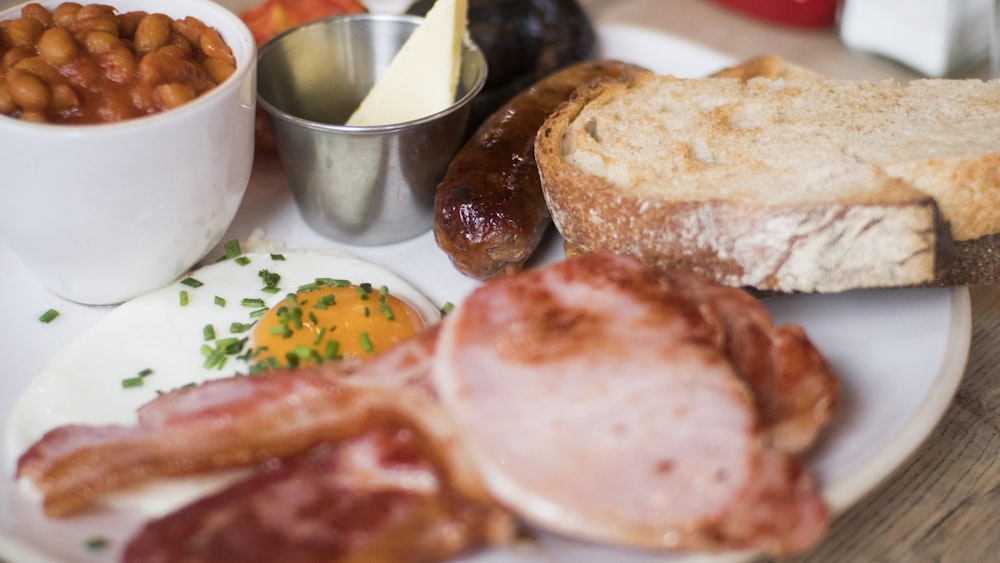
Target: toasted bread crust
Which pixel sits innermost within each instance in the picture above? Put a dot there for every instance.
(885, 223)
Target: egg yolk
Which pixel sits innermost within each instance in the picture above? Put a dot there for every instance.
(332, 322)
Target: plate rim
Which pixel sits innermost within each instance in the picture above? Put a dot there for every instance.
(922, 421)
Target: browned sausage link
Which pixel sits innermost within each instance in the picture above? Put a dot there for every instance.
(489, 212)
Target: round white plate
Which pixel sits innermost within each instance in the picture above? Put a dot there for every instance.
(900, 353)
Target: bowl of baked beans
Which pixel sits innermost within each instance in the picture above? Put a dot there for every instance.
(126, 139)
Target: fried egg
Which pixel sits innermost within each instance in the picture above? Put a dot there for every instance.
(241, 315)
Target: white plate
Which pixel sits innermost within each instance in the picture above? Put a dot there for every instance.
(901, 354)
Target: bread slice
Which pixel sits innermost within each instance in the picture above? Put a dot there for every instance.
(786, 184)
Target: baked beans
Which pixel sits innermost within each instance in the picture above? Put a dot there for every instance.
(83, 64)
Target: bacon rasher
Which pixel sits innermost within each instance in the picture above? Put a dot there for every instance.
(606, 401)
(374, 497)
(244, 420)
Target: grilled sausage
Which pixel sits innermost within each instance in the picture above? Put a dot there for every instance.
(489, 212)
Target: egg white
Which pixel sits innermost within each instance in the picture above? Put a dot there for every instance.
(82, 384)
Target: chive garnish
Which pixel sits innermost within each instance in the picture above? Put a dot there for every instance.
(237, 328)
(366, 342)
(130, 382)
(97, 543)
(383, 294)
(278, 257)
(331, 350)
(146, 372)
(387, 311)
(221, 302)
(270, 280)
(363, 291)
(49, 316)
(333, 282)
(208, 332)
(252, 302)
(184, 299)
(232, 248)
(191, 282)
(280, 330)
(242, 260)
(325, 302)
(447, 308)
(258, 313)
(319, 336)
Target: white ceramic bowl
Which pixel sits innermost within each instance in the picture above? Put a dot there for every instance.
(102, 213)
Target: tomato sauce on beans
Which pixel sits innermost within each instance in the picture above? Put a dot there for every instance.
(83, 64)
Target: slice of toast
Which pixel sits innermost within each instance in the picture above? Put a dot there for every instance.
(770, 177)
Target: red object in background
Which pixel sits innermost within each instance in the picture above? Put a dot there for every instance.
(802, 13)
(274, 16)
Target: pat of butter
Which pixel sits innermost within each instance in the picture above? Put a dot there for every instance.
(422, 78)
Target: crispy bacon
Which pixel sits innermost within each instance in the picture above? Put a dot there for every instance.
(244, 420)
(375, 497)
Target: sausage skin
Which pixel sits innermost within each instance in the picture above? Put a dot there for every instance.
(489, 211)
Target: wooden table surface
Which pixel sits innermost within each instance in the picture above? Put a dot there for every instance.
(943, 503)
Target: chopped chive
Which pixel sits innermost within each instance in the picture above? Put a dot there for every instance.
(221, 302)
(237, 328)
(49, 316)
(333, 282)
(278, 257)
(252, 302)
(325, 302)
(232, 248)
(184, 299)
(447, 308)
(387, 311)
(191, 282)
(242, 260)
(307, 287)
(304, 352)
(363, 291)
(258, 313)
(367, 312)
(96, 543)
(146, 372)
(208, 332)
(319, 336)
(331, 350)
(216, 359)
(270, 280)
(383, 294)
(280, 330)
(366, 342)
(130, 382)
(271, 290)
(312, 318)
(230, 345)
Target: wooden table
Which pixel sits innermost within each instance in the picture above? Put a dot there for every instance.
(943, 504)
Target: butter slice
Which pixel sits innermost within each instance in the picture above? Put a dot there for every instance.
(422, 78)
